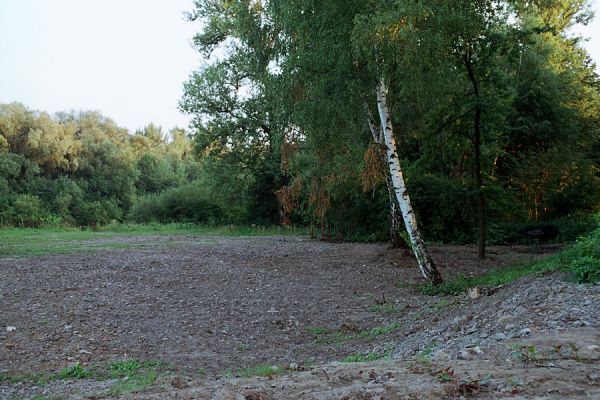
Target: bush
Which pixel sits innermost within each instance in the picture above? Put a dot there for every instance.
(570, 227)
(586, 269)
(28, 210)
(93, 213)
(188, 204)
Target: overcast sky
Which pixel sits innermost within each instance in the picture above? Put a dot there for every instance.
(125, 58)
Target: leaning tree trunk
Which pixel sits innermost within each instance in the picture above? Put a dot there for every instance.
(395, 223)
(426, 264)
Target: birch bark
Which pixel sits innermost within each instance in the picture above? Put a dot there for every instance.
(395, 214)
(426, 264)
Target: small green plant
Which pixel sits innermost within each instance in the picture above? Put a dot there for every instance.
(74, 372)
(523, 352)
(202, 372)
(243, 346)
(119, 369)
(424, 356)
(228, 373)
(443, 303)
(445, 377)
(319, 331)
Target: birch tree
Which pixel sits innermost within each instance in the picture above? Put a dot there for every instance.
(426, 264)
(342, 83)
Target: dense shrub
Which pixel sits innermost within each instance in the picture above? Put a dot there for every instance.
(98, 212)
(28, 210)
(188, 203)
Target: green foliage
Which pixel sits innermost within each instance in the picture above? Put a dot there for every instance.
(586, 269)
(368, 357)
(385, 309)
(513, 64)
(134, 376)
(76, 371)
(326, 336)
(130, 368)
(28, 210)
(82, 169)
(581, 260)
(94, 213)
(273, 110)
(61, 240)
(188, 204)
(524, 352)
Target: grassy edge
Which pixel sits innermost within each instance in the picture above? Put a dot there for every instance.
(580, 259)
(64, 240)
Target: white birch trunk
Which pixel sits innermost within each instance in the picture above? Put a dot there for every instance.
(396, 239)
(426, 264)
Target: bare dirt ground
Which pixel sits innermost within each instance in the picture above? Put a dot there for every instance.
(208, 307)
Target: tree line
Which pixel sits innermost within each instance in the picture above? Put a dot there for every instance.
(492, 105)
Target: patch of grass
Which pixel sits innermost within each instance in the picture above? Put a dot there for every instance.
(424, 355)
(119, 369)
(260, 370)
(39, 378)
(443, 303)
(319, 331)
(524, 352)
(133, 375)
(366, 357)
(581, 260)
(75, 371)
(383, 309)
(133, 383)
(179, 228)
(64, 240)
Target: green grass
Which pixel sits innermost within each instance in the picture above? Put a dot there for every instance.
(39, 378)
(131, 375)
(260, 370)
(134, 383)
(581, 260)
(75, 371)
(383, 309)
(366, 357)
(123, 368)
(64, 240)
(424, 356)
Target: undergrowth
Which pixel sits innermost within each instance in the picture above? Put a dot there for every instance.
(581, 260)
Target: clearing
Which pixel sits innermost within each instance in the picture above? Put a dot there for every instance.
(201, 316)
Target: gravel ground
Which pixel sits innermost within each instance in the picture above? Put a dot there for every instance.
(218, 304)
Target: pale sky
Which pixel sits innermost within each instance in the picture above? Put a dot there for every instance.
(127, 59)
